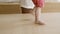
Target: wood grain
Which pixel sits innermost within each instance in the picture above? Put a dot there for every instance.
(51, 7)
(9, 8)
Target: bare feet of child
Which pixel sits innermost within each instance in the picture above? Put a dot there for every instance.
(39, 23)
(37, 16)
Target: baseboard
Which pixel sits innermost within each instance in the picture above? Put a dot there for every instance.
(51, 7)
(9, 8)
(14, 8)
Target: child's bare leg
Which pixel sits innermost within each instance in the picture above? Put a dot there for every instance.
(37, 16)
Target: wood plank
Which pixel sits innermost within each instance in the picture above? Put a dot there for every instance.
(51, 7)
(9, 8)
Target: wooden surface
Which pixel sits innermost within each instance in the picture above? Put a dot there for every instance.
(51, 7)
(24, 24)
(9, 8)
(14, 8)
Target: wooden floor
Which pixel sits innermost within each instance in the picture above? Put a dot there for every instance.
(23, 24)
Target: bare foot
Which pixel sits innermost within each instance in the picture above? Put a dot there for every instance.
(39, 23)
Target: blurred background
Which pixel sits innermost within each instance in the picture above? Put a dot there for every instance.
(12, 21)
(13, 6)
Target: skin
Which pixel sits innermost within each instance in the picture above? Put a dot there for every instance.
(36, 12)
(37, 16)
(38, 4)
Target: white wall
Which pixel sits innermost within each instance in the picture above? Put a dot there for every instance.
(18, 0)
(52, 0)
(9, 0)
